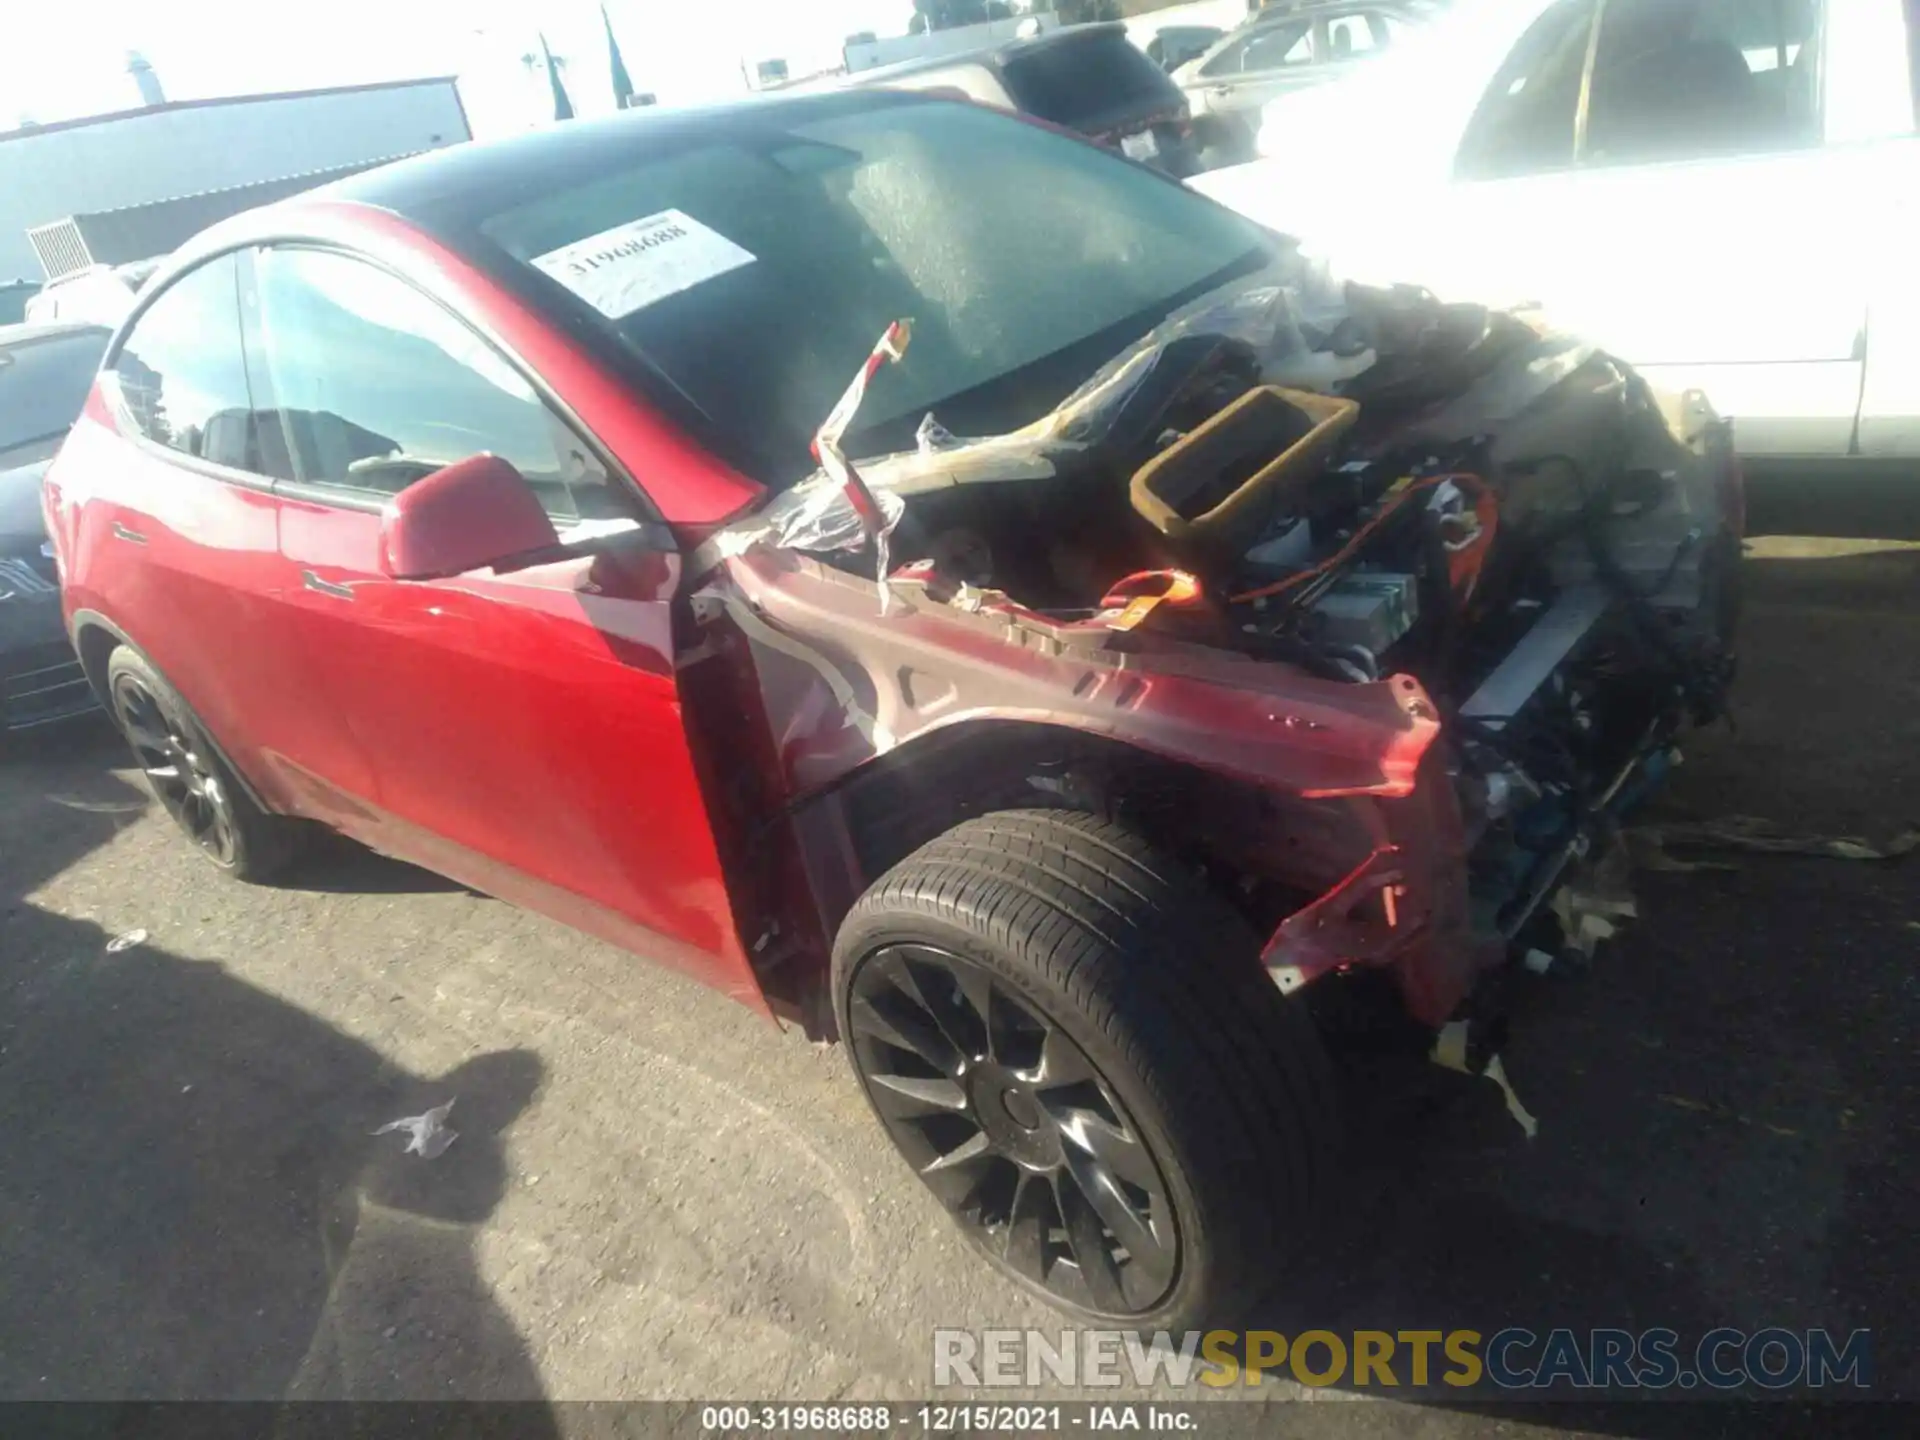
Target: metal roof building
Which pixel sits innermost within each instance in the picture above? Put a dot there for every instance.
(100, 187)
(139, 232)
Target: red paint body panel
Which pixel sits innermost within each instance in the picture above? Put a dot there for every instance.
(521, 733)
(461, 518)
(208, 597)
(1404, 908)
(529, 721)
(528, 733)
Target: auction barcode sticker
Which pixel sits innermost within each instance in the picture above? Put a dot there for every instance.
(642, 262)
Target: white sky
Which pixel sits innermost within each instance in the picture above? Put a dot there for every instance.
(63, 60)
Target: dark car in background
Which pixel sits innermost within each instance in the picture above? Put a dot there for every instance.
(45, 373)
(1089, 78)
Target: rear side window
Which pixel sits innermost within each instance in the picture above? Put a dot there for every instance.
(182, 374)
(1351, 36)
(1278, 47)
(43, 384)
(377, 386)
(1265, 49)
(1694, 79)
(1526, 119)
(1088, 79)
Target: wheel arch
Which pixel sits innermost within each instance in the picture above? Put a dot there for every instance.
(1265, 850)
(95, 638)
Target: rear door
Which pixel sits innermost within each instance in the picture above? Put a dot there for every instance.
(1662, 184)
(525, 730)
(1258, 66)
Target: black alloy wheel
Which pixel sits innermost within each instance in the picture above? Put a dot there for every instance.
(184, 777)
(190, 777)
(1013, 1127)
(1069, 1036)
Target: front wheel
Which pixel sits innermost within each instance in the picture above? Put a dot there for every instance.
(1071, 1040)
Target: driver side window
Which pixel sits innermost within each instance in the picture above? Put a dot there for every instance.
(377, 386)
(1702, 79)
(1280, 47)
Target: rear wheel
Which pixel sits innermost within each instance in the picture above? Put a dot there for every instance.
(184, 771)
(1071, 1040)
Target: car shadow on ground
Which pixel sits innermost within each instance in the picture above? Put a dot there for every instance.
(192, 1203)
(334, 865)
(1725, 1095)
(331, 864)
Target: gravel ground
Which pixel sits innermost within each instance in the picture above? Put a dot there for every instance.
(655, 1194)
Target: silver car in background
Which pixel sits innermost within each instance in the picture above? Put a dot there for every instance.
(1281, 49)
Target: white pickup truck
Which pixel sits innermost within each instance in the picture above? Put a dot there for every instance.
(1725, 193)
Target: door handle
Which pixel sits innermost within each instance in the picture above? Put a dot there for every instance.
(132, 537)
(325, 587)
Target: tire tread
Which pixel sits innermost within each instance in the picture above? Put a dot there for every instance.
(1165, 973)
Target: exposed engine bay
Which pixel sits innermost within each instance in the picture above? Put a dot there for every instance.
(1356, 486)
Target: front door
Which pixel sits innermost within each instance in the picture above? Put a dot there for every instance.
(1247, 73)
(189, 557)
(525, 730)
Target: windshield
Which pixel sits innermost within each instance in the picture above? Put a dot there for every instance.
(43, 383)
(753, 273)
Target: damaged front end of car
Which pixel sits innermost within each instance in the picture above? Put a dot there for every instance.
(1379, 611)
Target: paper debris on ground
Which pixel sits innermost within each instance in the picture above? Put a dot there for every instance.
(1652, 846)
(1450, 1053)
(1596, 900)
(126, 941)
(427, 1135)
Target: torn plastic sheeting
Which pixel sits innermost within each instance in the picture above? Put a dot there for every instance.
(932, 436)
(875, 520)
(427, 1134)
(1652, 845)
(1284, 314)
(1270, 313)
(748, 618)
(1450, 1053)
(822, 518)
(1511, 387)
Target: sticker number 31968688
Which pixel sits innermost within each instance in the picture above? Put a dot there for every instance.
(642, 262)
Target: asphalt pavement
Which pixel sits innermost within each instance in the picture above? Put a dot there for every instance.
(654, 1193)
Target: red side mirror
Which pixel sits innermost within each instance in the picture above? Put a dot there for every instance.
(473, 513)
